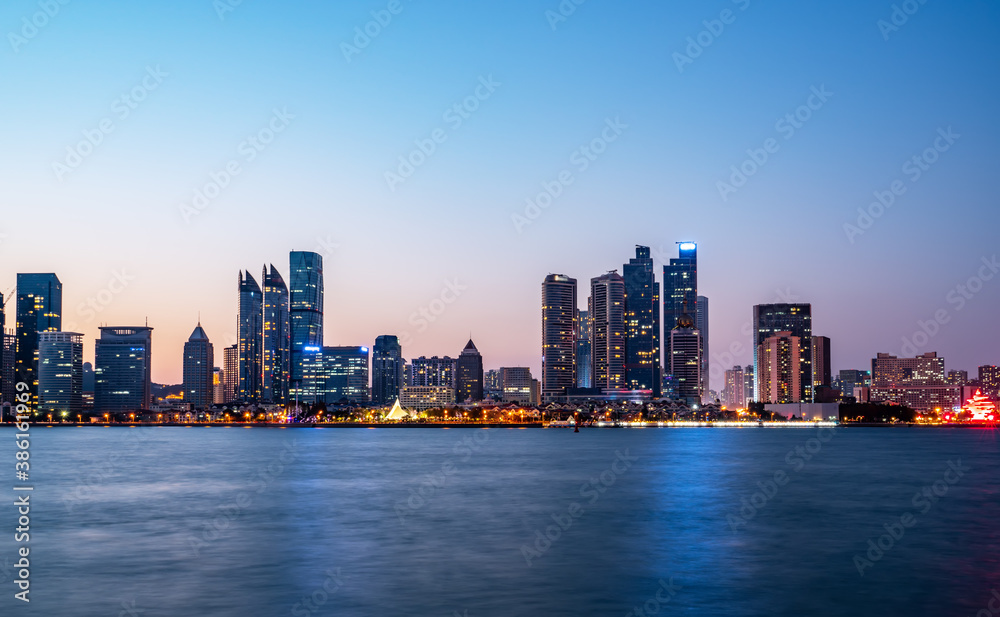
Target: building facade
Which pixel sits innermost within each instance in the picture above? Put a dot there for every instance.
(701, 322)
(559, 311)
(387, 370)
(642, 324)
(60, 374)
(39, 309)
(306, 298)
(517, 385)
(123, 369)
(432, 372)
(469, 374)
(607, 310)
(199, 368)
(333, 375)
(276, 339)
(422, 398)
(770, 319)
(584, 350)
(685, 360)
(734, 394)
(230, 373)
(989, 381)
(779, 369)
(249, 328)
(919, 383)
(680, 291)
(822, 373)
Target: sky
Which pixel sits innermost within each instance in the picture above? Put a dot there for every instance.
(154, 150)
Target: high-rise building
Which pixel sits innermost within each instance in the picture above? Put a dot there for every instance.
(39, 309)
(335, 374)
(607, 310)
(305, 308)
(123, 371)
(250, 328)
(779, 369)
(822, 373)
(748, 383)
(387, 370)
(276, 355)
(469, 374)
(517, 384)
(919, 383)
(492, 385)
(218, 386)
(642, 324)
(685, 359)
(559, 309)
(60, 374)
(989, 381)
(849, 379)
(199, 364)
(680, 291)
(734, 395)
(8, 352)
(958, 378)
(231, 373)
(701, 322)
(584, 351)
(432, 372)
(770, 319)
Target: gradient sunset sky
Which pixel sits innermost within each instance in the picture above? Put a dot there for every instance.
(321, 183)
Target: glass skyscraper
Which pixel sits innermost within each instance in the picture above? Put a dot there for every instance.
(642, 324)
(559, 310)
(39, 309)
(199, 363)
(60, 374)
(607, 310)
(276, 342)
(335, 374)
(249, 328)
(680, 295)
(387, 370)
(305, 308)
(123, 371)
(584, 332)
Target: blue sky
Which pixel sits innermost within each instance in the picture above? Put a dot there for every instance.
(320, 184)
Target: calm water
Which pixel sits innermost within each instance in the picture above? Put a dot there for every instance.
(210, 521)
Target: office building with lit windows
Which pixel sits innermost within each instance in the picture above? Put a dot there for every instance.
(685, 360)
(734, 394)
(680, 291)
(198, 370)
(584, 352)
(469, 375)
(60, 374)
(305, 307)
(276, 354)
(796, 319)
(607, 310)
(39, 309)
(779, 369)
(920, 383)
(334, 375)
(387, 370)
(123, 369)
(249, 328)
(230, 373)
(559, 312)
(642, 324)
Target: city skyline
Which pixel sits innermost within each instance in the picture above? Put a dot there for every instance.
(545, 94)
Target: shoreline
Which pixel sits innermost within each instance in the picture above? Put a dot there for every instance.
(486, 425)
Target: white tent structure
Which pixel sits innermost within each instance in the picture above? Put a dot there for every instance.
(397, 412)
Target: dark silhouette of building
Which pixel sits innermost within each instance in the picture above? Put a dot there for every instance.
(39, 309)
(199, 364)
(249, 327)
(642, 324)
(387, 370)
(123, 372)
(469, 374)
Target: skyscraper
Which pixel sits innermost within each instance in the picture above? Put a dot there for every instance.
(822, 374)
(8, 349)
(989, 380)
(335, 374)
(559, 309)
(516, 384)
(642, 324)
(387, 370)
(779, 369)
(768, 320)
(701, 322)
(276, 342)
(680, 289)
(60, 374)
(584, 352)
(123, 371)
(250, 328)
(199, 363)
(748, 382)
(607, 309)
(39, 309)
(469, 374)
(433, 372)
(230, 373)
(685, 359)
(734, 395)
(305, 308)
